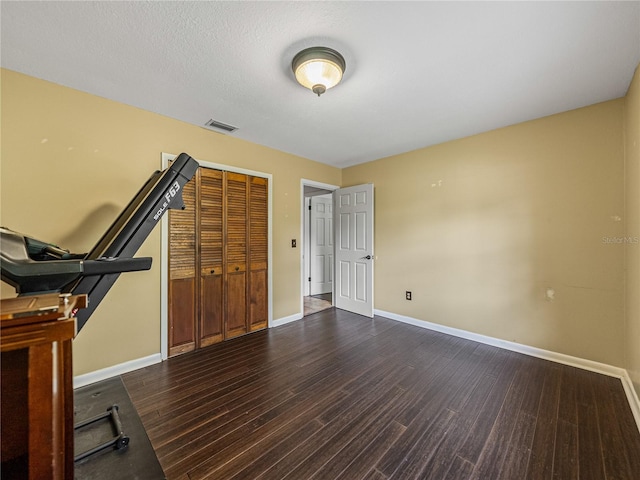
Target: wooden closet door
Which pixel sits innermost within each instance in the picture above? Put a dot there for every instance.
(182, 273)
(258, 253)
(236, 254)
(210, 219)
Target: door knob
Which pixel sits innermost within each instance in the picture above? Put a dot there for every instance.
(368, 257)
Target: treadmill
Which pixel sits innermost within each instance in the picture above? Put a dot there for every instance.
(33, 267)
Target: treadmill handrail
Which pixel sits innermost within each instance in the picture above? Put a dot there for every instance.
(162, 191)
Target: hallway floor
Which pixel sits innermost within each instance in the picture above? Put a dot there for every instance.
(316, 303)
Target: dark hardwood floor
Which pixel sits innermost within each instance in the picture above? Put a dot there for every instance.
(340, 396)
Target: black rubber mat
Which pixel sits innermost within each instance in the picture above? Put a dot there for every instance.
(135, 461)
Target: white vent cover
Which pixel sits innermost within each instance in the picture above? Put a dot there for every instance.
(215, 125)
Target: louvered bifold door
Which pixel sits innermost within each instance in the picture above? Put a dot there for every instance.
(211, 262)
(258, 253)
(236, 254)
(182, 273)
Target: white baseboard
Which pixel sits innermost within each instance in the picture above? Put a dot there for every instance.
(285, 320)
(632, 396)
(585, 364)
(103, 374)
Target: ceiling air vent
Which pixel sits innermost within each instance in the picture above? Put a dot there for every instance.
(215, 125)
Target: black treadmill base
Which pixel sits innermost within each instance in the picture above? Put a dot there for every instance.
(136, 461)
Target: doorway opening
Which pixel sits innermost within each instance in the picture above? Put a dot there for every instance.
(317, 252)
(317, 303)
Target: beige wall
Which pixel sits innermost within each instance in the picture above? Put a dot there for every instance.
(480, 228)
(71, 161)
(632, 216)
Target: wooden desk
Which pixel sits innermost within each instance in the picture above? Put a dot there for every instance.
(37, 386)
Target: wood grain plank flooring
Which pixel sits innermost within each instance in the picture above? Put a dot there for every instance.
(340, 396)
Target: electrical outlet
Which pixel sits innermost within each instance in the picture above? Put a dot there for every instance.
(408, 295)
(293, 243)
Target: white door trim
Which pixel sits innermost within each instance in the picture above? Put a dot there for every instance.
(306, 255)
(307, 183)
(164, 249)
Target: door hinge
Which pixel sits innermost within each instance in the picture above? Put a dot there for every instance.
(309, 278)
(309, 207)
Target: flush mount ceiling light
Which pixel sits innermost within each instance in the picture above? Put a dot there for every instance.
(318, 68)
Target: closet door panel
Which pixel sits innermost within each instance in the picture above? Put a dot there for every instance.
(236, 254)
(236, 306)
(211, 256)
(182, 312)
(258, 314)
(182, 273)
(236, 221)
(211, 311)
(258, 253)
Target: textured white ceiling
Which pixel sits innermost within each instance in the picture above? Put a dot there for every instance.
(418, 73)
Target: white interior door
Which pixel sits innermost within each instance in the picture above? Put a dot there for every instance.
(321, 244)
(354, 249)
